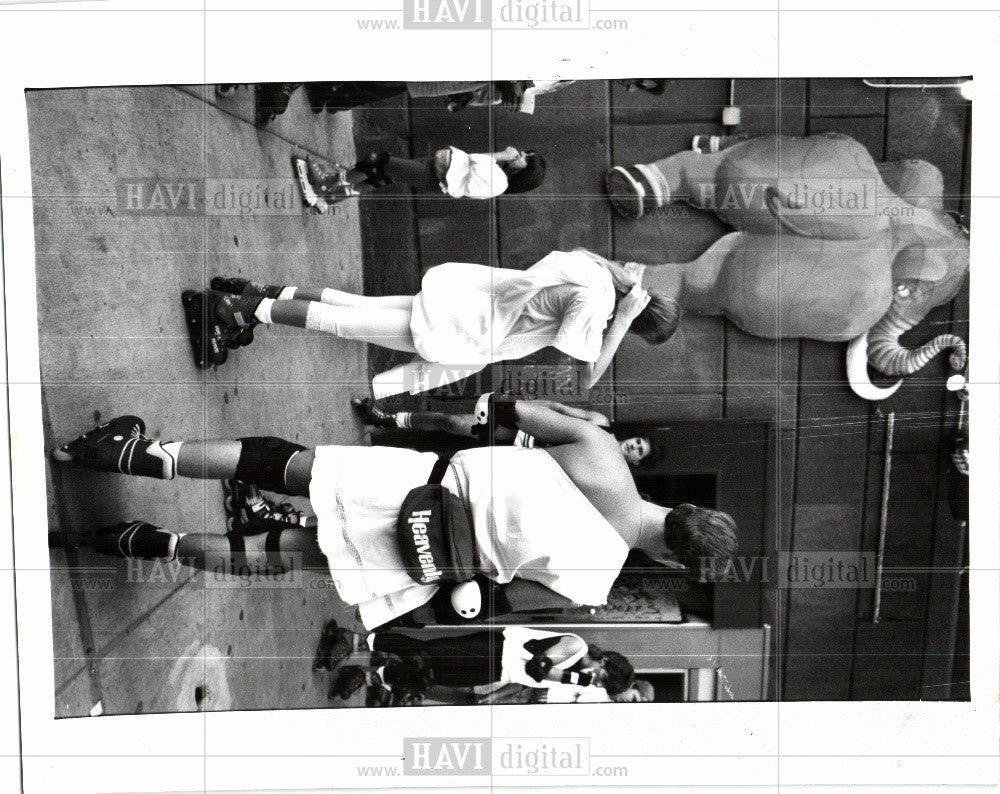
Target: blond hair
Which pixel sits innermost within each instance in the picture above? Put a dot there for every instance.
(659, 320)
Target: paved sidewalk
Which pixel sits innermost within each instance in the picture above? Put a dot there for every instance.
(112, 341)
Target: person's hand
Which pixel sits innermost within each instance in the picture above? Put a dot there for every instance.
(632, 305)
(634, 271)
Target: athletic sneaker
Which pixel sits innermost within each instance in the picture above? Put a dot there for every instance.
(249, 512)
(119, 446)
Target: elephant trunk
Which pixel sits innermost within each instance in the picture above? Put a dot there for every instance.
(888, 356)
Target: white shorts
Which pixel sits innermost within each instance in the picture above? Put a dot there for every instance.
(357, 493)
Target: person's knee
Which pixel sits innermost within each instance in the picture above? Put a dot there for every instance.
(265, 461)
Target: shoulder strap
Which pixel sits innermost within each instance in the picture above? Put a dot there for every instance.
(438, 472)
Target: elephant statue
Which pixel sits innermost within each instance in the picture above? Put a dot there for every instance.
(828, 244)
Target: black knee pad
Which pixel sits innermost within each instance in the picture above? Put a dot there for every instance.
(263, 460)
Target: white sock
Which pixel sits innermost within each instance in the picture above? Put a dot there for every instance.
(322, 317)
(403, 419)
(287, 293)
(370, 639)
(263, 311)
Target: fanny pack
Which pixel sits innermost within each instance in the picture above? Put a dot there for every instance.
(434, 532)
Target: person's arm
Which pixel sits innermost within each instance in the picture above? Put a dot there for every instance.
(506, 155)
(594, 417)
(629, 308)
(551, 426)
(520, 595)
(569, 645)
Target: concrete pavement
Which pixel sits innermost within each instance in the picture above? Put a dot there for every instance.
(112, 340)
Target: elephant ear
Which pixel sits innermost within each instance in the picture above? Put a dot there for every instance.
(917, 263)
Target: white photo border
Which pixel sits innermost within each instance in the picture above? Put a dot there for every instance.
(759, 745)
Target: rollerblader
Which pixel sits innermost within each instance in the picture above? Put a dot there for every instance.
(635, 449)
(450, 171)
(545, 527)
(465, 316)
(516, 657)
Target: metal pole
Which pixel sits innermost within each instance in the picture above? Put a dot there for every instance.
(883, 521)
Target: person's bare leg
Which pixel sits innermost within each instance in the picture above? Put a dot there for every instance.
(427, 421)
(415, 173)
(298, 472)
(218, 460)
(121, 446)
(290, 312)
(298, 549)
(279, 551)
(208, 460)
(455, 424)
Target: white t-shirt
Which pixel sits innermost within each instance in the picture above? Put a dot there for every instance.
(532, 522)
(473, 176)
(467, 314)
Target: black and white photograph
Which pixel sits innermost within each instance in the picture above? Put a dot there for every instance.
(641, 390)
(647, 383)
